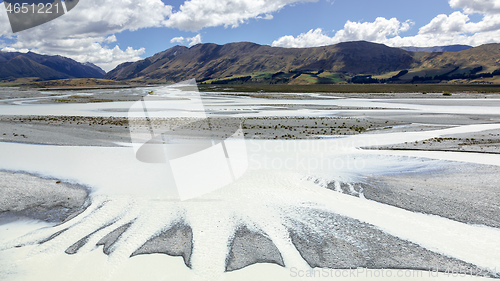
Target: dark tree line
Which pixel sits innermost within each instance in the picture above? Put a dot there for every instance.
(239, 80)
(285, 77)
(471, 74)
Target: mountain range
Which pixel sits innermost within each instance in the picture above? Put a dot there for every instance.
(14, 65)
(361, 61)
(210, 61)
(244, 62)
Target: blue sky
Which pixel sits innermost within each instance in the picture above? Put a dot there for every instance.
(111, 32)
(293, 20)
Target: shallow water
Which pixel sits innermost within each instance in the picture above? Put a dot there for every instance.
(285, 183)
(180, 104)
(275, 184)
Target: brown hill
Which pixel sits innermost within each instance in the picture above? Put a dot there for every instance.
(21, 66)
(211, 61)
(355, 62)
(14, 65)
(487, 56)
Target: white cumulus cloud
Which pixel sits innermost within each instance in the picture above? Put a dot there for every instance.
(312, 38)
(378, 31)
(194, 40)
(477, 6)
(194, 15)
(86, 33)
(191, 41)
(179, 39)
(456, 28)
(459, 22)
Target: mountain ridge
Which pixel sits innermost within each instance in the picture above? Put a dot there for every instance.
(246, 62)
(211, 61)
(15, 65)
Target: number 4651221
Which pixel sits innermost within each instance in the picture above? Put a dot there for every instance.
(40, 8)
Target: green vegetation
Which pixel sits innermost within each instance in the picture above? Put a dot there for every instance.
(238, 80)
(78, 82)
(81, 83)
(280, 77)
(354, 88)
(344, 63)
(320, 78)
(80, 99)
(298, 77)
(352, 67)
(457, 73)
(429, 76)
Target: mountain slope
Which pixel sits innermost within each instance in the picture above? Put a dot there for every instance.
(487, 56)
(211, 61)
(15, 65)
(21, 66)
(356, 62)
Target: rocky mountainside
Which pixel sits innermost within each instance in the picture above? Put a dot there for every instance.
(210, 61)
(14, 65)
(355, 62)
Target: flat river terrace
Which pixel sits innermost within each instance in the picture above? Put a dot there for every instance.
(311, 186)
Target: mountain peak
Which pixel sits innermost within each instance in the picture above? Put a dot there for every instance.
(212, 61)
(15, 65)
(243, 62)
